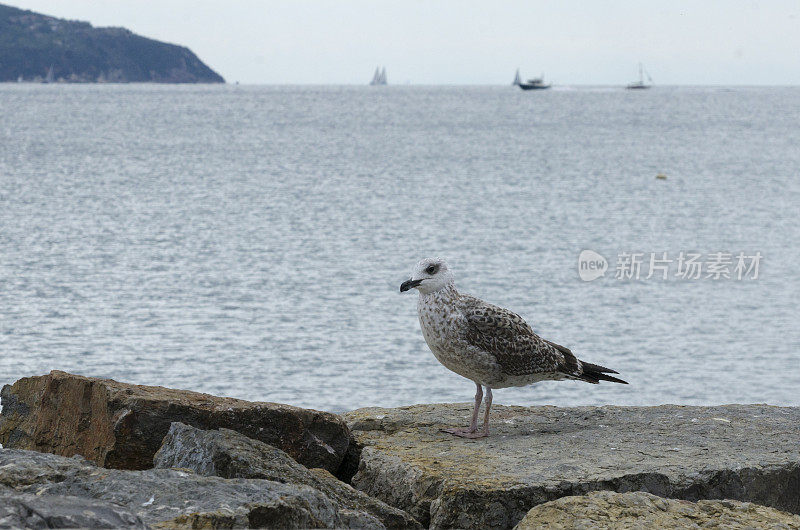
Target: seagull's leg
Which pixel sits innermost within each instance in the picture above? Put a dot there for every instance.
(473, 426)
(486, 416)
(473, 431)
(485, 431)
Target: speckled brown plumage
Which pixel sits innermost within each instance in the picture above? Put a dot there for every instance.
(512, 342)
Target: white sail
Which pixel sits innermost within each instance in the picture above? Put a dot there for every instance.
(640, 83)
(380, 76)
(517, 81)
(376, 78)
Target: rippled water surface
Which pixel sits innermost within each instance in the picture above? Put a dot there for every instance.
(250, 241)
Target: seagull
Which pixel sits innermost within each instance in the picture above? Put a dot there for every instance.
(487, 344)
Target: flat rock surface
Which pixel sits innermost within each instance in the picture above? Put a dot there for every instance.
(228, 454)
(120, 425)
(26, 510)
(538, 454)
(173, 497)
(639, 510)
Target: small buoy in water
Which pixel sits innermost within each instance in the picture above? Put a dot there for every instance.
(661, 176)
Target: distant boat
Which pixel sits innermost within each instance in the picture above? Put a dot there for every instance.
(19, 79)
(640, 84)
(380, 77)
(537, 83)
(49, 78)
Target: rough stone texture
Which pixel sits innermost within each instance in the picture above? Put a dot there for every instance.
(228, 454)
(216, 520)
(26, 510)
(639, 510)
(534, 455)
(119, 425)
(170, 497)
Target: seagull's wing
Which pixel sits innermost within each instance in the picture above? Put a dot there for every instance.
(517, 349)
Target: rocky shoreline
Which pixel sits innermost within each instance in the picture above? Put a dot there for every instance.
(86, 452)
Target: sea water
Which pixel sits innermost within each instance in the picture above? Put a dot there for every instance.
(250, 241)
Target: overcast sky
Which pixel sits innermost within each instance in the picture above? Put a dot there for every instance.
(697, 42)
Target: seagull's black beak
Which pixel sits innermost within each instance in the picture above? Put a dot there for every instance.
(409, 284)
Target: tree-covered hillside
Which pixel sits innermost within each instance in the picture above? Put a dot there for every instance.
(30, 44)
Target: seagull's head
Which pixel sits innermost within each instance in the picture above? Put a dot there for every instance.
(430, 275)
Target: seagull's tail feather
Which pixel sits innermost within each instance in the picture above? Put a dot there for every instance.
(594, 373)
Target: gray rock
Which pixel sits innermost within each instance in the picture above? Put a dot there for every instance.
(164, 495)
(120, 425)
(228, 454)
(538, 454)
(639, 510)
(25, 510)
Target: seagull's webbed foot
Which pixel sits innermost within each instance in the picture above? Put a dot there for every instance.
(467, 433)
(460, 432)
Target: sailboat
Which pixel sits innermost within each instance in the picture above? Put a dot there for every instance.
(537, 83)
(379, 78)
(640, 84)
(50, 78)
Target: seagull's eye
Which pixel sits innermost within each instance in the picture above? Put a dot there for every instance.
(431, 269)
